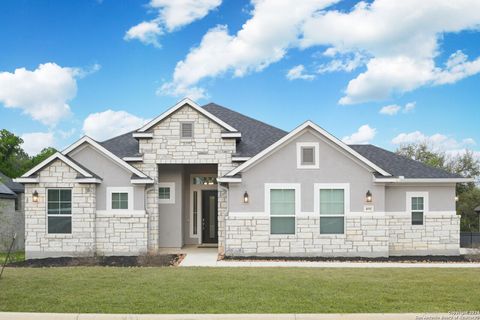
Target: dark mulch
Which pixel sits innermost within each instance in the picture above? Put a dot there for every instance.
(445, 259)
(163, 260)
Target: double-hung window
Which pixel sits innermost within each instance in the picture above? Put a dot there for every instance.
(332, 202)
(59, 211)
(417, 204)
(282, 204)
(120, 200)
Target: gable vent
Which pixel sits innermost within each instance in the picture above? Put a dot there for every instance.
(186, 130)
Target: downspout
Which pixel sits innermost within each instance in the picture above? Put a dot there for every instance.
(145, 202)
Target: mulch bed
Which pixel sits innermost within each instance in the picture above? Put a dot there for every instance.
(163, 260)
(406, 259)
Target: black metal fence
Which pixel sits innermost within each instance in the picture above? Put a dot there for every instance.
(470, 239)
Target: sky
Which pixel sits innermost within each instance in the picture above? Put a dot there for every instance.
(385, 72)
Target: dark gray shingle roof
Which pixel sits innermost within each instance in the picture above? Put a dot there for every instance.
(10, 184)
(256, 135)
(398, 165)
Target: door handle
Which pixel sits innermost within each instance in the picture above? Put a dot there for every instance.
(203, 223)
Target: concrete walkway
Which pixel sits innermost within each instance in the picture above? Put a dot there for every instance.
(357, 316)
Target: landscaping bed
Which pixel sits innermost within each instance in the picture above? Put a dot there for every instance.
(404, 259)
(164, 260)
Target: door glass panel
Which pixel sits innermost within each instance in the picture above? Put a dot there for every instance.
(211, 213)
(195, 212)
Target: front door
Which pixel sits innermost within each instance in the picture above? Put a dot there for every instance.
(209, 216)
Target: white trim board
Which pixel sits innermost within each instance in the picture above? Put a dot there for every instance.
(104, 151)
(295, 132)
(316, 155)
(53, 157)
(128, 190)
(179, 105)
(423, 180)
(171, 186)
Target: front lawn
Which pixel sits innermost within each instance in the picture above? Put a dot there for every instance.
(14, 257)
(238, 290)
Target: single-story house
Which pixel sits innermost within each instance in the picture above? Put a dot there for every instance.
(12, 218)
(207, 175)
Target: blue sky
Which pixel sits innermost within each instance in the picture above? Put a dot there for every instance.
(103, 67)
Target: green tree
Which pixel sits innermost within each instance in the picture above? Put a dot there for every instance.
(44, 154)
(463, 164)
(12, 157)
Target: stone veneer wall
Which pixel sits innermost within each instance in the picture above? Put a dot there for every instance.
(12, 221)
(166, 147)
(121, 235)
(440, 234)
(38, 243)
(366, 235)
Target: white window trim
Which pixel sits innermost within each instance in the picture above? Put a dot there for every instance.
(274, 186)
(409, 196)
(181, 131)
(170, 185)
(316, 154)
(128, 190)
(346, 210)
(58, 215)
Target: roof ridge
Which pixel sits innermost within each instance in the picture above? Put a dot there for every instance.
(243, 115)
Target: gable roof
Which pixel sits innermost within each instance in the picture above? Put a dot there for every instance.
(256, 135)
(57, 156)
(106, 152)
(124, 145)
(399, 165)
(193, 105)
(295, 132)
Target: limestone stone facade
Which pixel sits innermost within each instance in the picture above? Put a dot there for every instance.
(366, 235)
(166, 147)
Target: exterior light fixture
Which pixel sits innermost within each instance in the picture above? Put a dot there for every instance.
(456, 198)
(368, 197)
(245, 197)
(35, 196)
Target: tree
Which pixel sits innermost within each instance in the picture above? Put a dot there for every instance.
(44, 154)
(463, 164)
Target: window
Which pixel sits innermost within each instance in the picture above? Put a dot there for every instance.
(186, 130)
(59, 211)
(417, 204)
(332, 202)
(120, 200)
(282, 203)
(195, 213)
(166, 192)
(17, 203)
(204, 180)
(308, 155)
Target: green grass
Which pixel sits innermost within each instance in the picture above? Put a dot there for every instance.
(238, 290)
(14, 257)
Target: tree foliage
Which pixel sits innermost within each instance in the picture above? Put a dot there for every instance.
(464, 164)
(14, 161)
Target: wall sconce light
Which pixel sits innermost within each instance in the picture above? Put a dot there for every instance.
(368, 197)
(245, 197)
(35, 196)
(456, 198)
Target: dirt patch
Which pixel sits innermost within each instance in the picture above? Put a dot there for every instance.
(162, 260)
(405, 259)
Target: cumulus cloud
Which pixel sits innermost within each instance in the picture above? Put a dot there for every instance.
(363, 135)
(264, 39)
(43, 93)
(402, 38)
(393, 109)
(437, 141)
(346, 64)
(172, 15)
(298, 72)
(35, 142)
(109, 123)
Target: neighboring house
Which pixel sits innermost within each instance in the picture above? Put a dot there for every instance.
(12, 218)
(209, 175)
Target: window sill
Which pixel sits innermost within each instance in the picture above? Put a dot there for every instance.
(59, 236)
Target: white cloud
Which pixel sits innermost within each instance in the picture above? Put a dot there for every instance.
(402, 38)
(437, 141)
(109, 123)
(264, 39)
(347, 64)
(145, 32)
(363, 135)
(393, 109)
(298, 72)
(35, 142)
(172, 15)
(390, 110)
(43, 93)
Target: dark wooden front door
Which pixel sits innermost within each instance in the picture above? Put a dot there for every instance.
(209, 216)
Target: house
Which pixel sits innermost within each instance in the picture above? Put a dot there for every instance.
(207, 175)
(12, 218)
